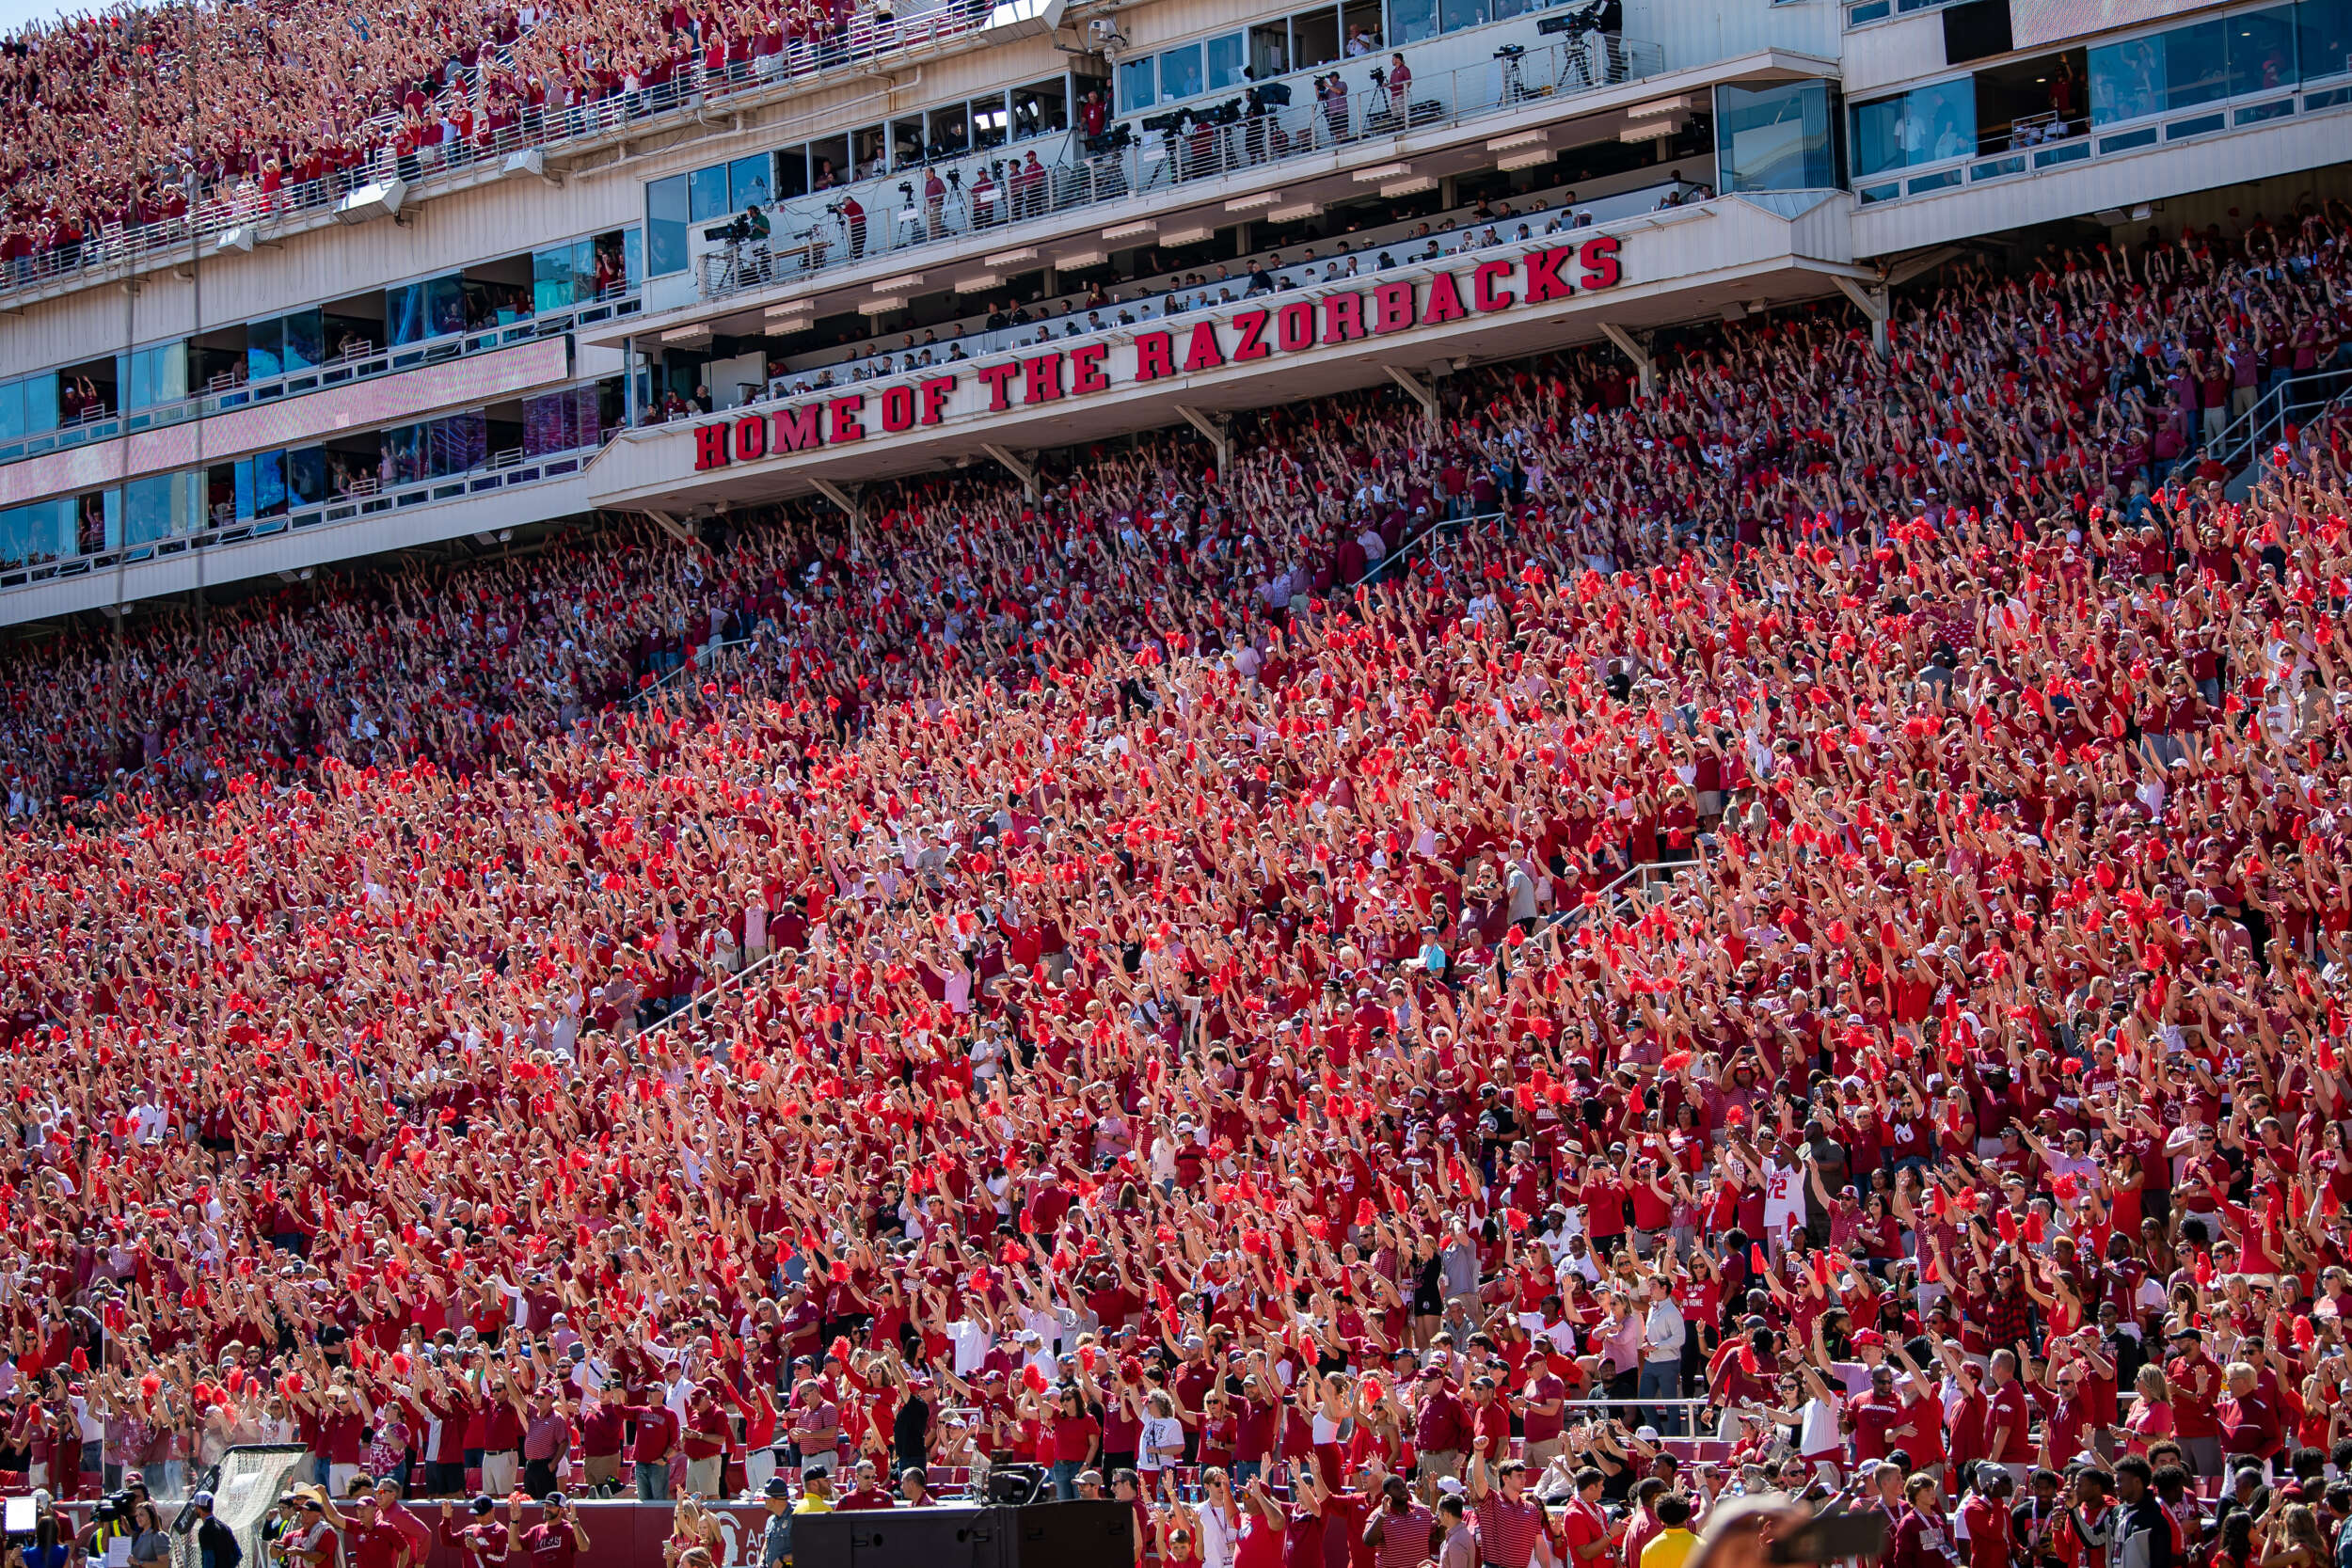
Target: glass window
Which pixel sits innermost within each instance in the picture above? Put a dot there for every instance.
(152, 375)
(2262, 50)
(1040, 107)
(41, 403)
(552, 279)
(269, 485)
(416, 311)
(305, 476)
(906, 142)
(1270, 51)
(157, 507)
(1135, 85)
(2126, 80)
(632, 256)
(707, 194)
(1314, 39)
(1361, 19)
(265, 349)
(401, 453)
(1179, 73)
(305, 339)
(2195, 65)
(1228, 58)
(11, 410)
(992, 121)
(1924, 125)
(949, 131)
(1458, 14)
(41, 532)
(1776, 137)
(665, 225)
(751, 180)
(2324, 40)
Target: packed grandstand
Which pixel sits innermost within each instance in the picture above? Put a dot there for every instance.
(1465, 971)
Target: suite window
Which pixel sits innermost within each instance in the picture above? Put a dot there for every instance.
(667, 216)
(1137, 85)
(1776, 137)
(1921, 126)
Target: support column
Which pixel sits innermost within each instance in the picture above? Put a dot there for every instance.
(1217, 428)
(851, 501)
(1013, 466)
(628, 382)
(680, 532)
(1635, 351)
(1872, 303)
(1422, 392)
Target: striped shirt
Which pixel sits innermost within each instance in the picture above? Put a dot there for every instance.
(1507, 1529)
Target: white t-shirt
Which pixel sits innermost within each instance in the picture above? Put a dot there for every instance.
(1159, 1432)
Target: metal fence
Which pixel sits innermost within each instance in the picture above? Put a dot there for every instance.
(1162, 153)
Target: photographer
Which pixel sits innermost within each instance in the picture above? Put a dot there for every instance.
(1400, 82)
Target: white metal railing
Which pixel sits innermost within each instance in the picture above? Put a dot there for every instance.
(1158, 153)
(359, 363)
(866, 37)
(364, 498)
(2119, 140)
(795, 386)
(982, 339)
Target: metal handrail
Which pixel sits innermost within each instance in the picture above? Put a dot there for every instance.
(2250, 432)
(341, 370)
(812, 236)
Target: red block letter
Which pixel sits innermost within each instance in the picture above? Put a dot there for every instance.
(897, 408)
(751, 437)
(1043, 381)
(996, 378)
(1086, 367)
(935, 392)
(1343, 318)
(1155, 357)
(1296, 326)
(845, 419)
(1205, 353)
(1544, 281)
(1483, 291)
(710, 447)
(798, 430)
(1445, 301)
(1391, 306)
(1599, 261)
(1253, 343)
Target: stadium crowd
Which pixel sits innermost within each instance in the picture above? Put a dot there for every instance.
(1808, 908)
(109, 121)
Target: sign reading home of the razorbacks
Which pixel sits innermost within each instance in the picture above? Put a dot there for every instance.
(1211, 343)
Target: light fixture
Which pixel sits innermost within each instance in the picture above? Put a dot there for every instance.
(1176, 238)
(1658, 132)
(1250, 204)
(791, 307)
(977, 282)
(1410, 187)
(904, 280)
(1525, 160)
(1659, 107)
(1135, 230)
(687, 334)
(1383, 172)
(1006, 258)
(1517, 138)
(881, 307)
(1295, 215)
(1078, 261)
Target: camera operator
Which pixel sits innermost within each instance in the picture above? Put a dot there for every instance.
(1400, 82)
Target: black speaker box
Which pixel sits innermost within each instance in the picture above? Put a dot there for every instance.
(1044, 1535)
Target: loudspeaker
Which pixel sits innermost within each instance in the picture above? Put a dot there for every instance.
(1070, 1535)
(1044, 1535)
(967, 1536)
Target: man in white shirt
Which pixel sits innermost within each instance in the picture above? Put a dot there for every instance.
(1663, 1333)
